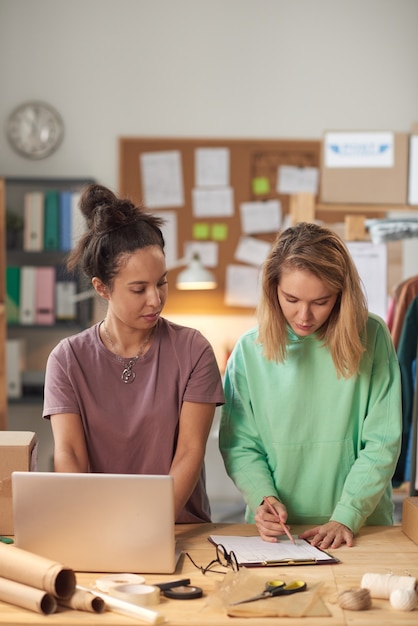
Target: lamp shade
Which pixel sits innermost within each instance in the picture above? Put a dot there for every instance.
(195, 276)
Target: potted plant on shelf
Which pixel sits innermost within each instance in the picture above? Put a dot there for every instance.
(14, 231)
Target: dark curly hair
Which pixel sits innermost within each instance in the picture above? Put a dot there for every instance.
(116, 227)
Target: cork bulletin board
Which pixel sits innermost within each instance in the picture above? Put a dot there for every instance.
(253, 172)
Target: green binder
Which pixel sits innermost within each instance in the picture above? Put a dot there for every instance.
(12, 294)
(51, 220)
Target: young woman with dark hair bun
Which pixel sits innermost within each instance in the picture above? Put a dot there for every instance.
(135, 393)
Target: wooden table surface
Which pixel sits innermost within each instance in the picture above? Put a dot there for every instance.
(379, 550)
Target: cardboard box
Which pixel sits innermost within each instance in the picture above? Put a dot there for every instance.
(18, 452)
(410, 518)
(364, 167)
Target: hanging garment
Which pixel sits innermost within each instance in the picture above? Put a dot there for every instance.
(404, 294)
(407, 353)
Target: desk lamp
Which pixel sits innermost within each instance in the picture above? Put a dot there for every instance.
(195, 276)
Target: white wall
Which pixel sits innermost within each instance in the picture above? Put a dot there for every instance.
(262, 68)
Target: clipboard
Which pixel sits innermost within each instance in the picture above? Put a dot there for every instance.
(254, 552)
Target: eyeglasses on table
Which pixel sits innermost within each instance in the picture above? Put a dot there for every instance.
(224, 558)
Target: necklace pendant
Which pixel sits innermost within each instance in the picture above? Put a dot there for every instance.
(128, 376)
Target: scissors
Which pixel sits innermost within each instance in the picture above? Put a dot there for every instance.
(276, 588)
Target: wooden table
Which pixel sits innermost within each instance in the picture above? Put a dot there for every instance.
(377, 549)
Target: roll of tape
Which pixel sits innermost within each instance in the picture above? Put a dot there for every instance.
(142, 595)
(104, 583)
(186, 592)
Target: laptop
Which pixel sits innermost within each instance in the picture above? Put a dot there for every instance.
(97, 522)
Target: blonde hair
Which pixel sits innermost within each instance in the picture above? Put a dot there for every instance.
(322, 252)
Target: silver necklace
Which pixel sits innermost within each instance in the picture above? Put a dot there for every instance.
(128, 375)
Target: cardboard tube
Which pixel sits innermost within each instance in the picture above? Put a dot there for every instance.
(126, 608)
(36, 571)
(27, 597)
(84, 601)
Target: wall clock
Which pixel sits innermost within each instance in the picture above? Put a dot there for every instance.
(35, 129)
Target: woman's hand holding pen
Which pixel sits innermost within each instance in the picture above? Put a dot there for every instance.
(270, 518)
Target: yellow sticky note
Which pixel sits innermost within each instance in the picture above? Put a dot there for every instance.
(219, 232)
(200, 231)
(261, 185)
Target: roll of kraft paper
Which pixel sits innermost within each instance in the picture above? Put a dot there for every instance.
(27, 597)
(142, 595)
(36, 571)
(84, 601)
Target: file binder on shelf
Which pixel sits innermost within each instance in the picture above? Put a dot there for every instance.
(12, 294)
(14, 367)
(51, 220)
(33, 228)
(45, 296)
(27, 313)
(65, 227)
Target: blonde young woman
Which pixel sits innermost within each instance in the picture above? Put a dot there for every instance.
(312, 420)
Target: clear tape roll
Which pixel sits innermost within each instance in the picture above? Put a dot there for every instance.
(105, 583)
(142, 595)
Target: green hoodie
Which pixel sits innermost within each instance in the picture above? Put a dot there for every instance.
(325, 446)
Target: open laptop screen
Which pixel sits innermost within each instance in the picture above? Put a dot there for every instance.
(96, 522)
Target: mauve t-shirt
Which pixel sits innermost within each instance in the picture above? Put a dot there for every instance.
(133, 428)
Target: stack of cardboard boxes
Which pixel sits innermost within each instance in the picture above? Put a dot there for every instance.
(410, 518)
(18, 452)
(375, 167)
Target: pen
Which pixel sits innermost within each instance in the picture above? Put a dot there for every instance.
(274, 512)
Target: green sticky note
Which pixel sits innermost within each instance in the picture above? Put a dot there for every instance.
(261, 185)
(219, 232)
(200, 231)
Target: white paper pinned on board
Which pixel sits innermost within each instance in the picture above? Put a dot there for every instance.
(371, 262)
(413, 170)
(260, 217)
(169, 230)
(162, 179)
(213, 202)
(242, 286)
(292, 179)
(212, 167)
(207, 251)
(251, 250)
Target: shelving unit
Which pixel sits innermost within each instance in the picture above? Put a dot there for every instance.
(38, 340)
(330, 212)
(3, 393)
